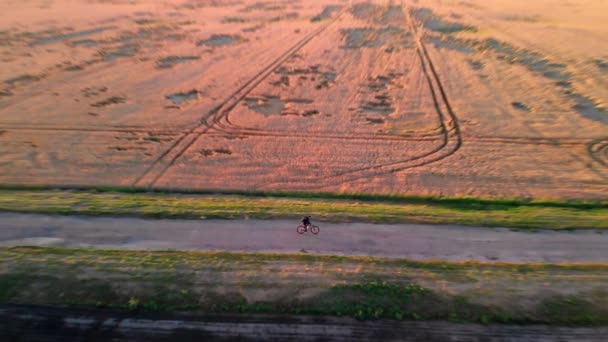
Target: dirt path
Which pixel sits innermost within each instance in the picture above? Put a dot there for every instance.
(411, 241)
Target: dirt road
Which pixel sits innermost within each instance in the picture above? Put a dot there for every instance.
(411, 241)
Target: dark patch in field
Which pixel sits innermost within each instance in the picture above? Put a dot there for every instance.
(298, 100)
(282, 81)
(381, 104)
(170, 61)
(602, 64)
(265, 104)
(364, 10)
(24, 79)
(383, 15)
(542, 66)
(304, 113)
(221, 40)
(326, 13)
(262, 6)
(234, 20)
(312, 69)
(523, 18)
(476, 65)
(78, 67)
(54, 38)
(85, 43)
(156, 139)
(327, 78)
(392, 15)
(5, 93)
(210, 152)
(310, 112)
(356, 38)
(122, 51)
(520, 106)
(110, 101)
(382, 82)
(323, 76)
(437, 24)
(588, 109)
(274, 105)
(532, 60)
(537, 63)
(367, 37)
(183, 97)
(288, 16)
(253, 28)
(74, 68)
(87, 92)
(375, 121)
(447, 42)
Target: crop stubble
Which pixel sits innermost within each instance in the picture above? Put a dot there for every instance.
(363, 98)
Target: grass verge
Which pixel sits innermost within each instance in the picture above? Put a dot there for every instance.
(324, 207)
(360, 287)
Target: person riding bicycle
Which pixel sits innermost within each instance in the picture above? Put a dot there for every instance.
(306, 221)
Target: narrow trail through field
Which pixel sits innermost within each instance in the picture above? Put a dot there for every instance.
(412, 241)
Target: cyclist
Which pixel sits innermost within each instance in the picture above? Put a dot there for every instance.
(306, 221)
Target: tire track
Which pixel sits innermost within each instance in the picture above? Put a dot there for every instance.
(591, 149)
(117, 129)
(527, 140)
(598, 151)
(224, 124)
(451, 136)
(324, 135)
(207, 122)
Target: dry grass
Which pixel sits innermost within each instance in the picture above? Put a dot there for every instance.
(366, 288)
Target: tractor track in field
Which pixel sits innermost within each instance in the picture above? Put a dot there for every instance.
(597, 149)
(216, 123)
(227, 126)
(213, 116)
(224, 124)
(109, 129)
(449, 134)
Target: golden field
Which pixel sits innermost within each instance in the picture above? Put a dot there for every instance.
(428, 97)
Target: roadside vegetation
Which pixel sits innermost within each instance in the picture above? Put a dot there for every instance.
(359, 287)
(522, 214)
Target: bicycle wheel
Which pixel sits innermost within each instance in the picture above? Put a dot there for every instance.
(301, 229)
(315, 229)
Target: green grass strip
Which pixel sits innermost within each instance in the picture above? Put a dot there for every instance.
(334, 208)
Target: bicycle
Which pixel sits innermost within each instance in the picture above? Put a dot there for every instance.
(312, 228)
